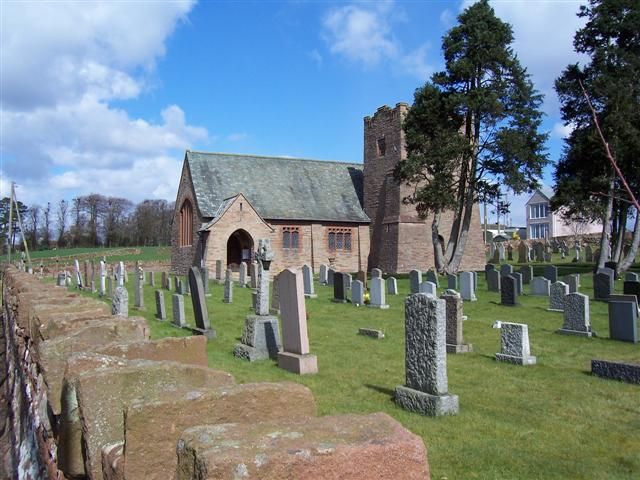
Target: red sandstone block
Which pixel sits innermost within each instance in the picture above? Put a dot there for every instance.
(187, 350)
(152, 429)
(346, 447)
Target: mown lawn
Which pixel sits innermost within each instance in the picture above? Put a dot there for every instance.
(552, 420)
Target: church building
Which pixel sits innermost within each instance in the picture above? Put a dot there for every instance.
(315, 212)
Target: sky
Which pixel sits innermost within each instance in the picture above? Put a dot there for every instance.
(105, 97)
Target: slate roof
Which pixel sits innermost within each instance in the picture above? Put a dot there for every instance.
(279, 188)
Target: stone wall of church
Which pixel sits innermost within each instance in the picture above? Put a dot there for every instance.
(184, 257)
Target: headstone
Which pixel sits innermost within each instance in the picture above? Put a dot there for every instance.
(588, 254)
(487, 268)
(538, 249)
(523, 256)
(540, 286)
(253, 271)
(121, 274)
(371, 332)
(514, 343)
(519, 284)
(576, 316)
(243, 274)
(205, 281)
(120, 302)
(603, 284)
(178, 310)
(428, 288)
(495, 258)
(219, 271)
(377, 295)
(415, 279)
(467, 287)
(623, 320)
(139, 289)
(323, 274)
(184, 284)
(631, 288)
(431, 276)
(426, 389)
(163, 280)
(62, 279)
(78, 275)
(613, 266)
(557, 294)
(152, 279)
(200, 312)
(392, 286)
(508, 291)
(109, 287)
(493, 280)
(357, 293)
(161, 313)
(527, 274)
(330, 274)
(87, 280)
(376, 273)
(179, 289)
(169, 284)
(274, 308)
(228, 287)
(307, 281)
(501, 257)
(572, 281)
(551, 273)
(454, 307)
(631, 277)
(578, 251)
(506, 269)
(509, 253)
(452, 281)
(295, 356)
(347, 281)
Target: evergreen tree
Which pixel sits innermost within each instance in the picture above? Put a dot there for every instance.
(585, 181)
(474, 126)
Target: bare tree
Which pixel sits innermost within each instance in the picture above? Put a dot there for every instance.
(33, 221)
(94, 206)
(114, 214)
(78, 218)
(62, 215)
(46, 227)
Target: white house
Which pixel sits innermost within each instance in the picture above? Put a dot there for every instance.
(543, 223)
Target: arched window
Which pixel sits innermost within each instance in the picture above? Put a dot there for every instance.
(185, 235)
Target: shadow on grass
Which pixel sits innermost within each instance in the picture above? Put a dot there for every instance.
(384, 390)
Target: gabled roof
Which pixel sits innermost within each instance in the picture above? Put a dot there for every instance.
(546, 192)
(224, 206)
(279, 188)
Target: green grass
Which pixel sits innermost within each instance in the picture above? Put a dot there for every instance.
(552, 420)
(116, 254)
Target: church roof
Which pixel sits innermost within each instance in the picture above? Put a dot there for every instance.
(279, 188)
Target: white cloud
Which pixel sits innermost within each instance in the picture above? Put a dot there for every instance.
(63, 64)
(560, 130)
(363, 34)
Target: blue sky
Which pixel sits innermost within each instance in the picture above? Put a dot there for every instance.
(105, 97)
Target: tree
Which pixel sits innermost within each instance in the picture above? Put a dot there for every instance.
(473, 127)
(585, 180)
(32, 223)
(114, 214)
(46, 227)
(94, 206)
(4, 221)
(62, 216)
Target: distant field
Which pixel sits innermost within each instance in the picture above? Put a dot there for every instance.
(552, 420)
(113, 254)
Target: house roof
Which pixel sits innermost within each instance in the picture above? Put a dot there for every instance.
(544, 191)
(279, 188)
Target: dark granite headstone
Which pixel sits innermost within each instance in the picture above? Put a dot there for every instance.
(200, 311)
(493, 280)
(551, 273)
(508, 291)
(527, 274)
(623, 320)
(339, 287)
(602, 285)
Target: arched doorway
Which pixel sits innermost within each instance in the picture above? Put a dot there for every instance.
(239, 249)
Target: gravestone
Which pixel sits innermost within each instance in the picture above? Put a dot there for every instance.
(347, 281)
(274, 308)
(324, 275)
(431, 276)
(261, 334)
(87, 279)
(253, 272)
(467, 287)
(613, 266)
(200, 312)
(426, 389)
(242, 273)
(538, 249)
(120, 273)
(377, 297)
(519, 284)
(631, 288)
(295, 356)
(557, 295)
(454, 307)
(78, 275)
(540, 286)
(495, 258)
(493, 280)
(152, 279)
(357, 293)
(508, 291)
(415, 279)
(120, 302)
(330, 276)
(205, 281)
(501, 254)
(163, 280)
(376, 273)
(514, 343)
(603, 284)
(572, 281)
(339, 287)
(588, 254)
(62, 279)
(161, 313)
(576, 316)
(392, 286)
(178, 283)
(307, 281)
(523, 254)
(177, 303)
(428, 288)
(509, 252)
(487, 268)
(452, 281)
(219, 271)
(623, 318)
(362, 276)
(551, 273)
(506, 269)
(578, 251)
(228, 287)
(527, 274)
(139, 289)
(169, 283)
(631, 277)
(109, 287)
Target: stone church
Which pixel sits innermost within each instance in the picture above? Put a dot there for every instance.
(348, 215)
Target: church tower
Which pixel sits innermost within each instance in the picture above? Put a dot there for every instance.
(400, 239)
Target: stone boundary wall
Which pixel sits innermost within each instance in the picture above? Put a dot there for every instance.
(92, 397)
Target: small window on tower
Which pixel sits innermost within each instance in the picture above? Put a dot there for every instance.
(382, 147)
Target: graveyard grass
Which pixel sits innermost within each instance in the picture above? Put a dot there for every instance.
(552, 420)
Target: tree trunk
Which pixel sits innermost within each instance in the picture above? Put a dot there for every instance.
(630, 257)
(605, 239)
(438, 254)
(620, 234)
(454, 264)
